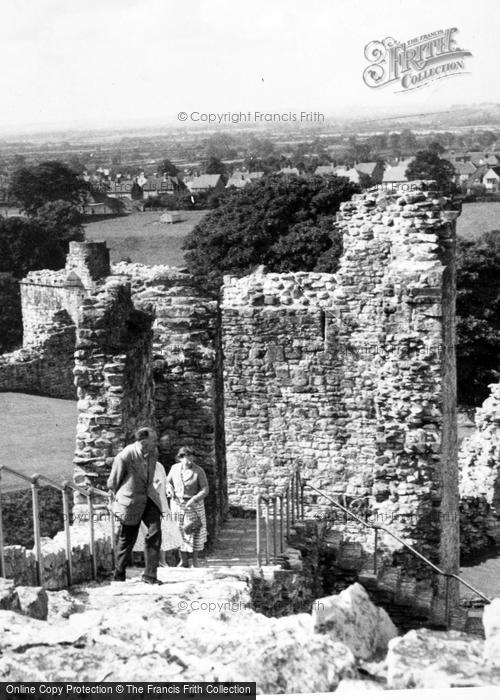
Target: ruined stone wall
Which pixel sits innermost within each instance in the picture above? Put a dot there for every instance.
(479, 460)
(51, 302)
(347, 372)
(45, 292)
(187, 406)
(113, 375)
(46, 366)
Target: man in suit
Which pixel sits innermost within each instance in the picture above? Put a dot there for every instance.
(135, 499)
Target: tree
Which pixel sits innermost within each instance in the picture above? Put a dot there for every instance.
(34, 186)
(63, 220)
(408, 141)
(11, 321)
(166, 167)
(427, 165)
(214, 166)
(284, 223)
(436, 147)
(136, 191)
(478, 317)
(26, 245)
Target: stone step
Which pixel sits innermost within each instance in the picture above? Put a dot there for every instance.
(438, 612)
(388, 581)
(368, 580)
(350, 555)
(407, 591)
(333, 540)
(474, 623)
(423, 598)
(458, 619)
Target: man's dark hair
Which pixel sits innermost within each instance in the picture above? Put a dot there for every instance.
(142, 433)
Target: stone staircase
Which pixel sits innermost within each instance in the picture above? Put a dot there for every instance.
(234, 544)
(410, 602)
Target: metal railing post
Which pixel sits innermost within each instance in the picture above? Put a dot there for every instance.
(93, 559)
(447, 601)
(112, 529)
(297, 497)
(275, 528)
(292, 500)
(36, 530)
(257, 531)
(266, 520)
(287, 505)
(375, 550)
(2, 553)
(302, 486)
(67, 532)
(282, 535)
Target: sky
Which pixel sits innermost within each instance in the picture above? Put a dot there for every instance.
(105, 63)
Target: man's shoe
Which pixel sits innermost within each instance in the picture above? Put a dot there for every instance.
(151, 580)
(117, 576)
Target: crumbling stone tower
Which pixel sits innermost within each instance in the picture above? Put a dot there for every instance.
(354, 373)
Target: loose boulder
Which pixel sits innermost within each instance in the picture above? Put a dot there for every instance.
(431, 659)
(33, 601)
(9, 600)
(351, 618)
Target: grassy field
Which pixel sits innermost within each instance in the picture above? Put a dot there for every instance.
(38, 435)
(477, 218)
(142, 238)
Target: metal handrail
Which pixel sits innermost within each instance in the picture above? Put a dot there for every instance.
(64, 487)
(403, 542)
(293, 495)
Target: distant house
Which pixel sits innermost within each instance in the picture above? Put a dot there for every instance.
(289, 171)
(351, 174)
(395, 174)
(463, 171)
(325, 169)
(205, 183)
(157, 186)
(99, 204)
(477, 158)
(455, 156)
(357, 174)
(241, 178)
(374, 170)
(121, 189)
(491, 180)
(476, 179)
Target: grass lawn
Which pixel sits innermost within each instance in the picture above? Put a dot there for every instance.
(142, 238)
(38, 435)
(477, 218)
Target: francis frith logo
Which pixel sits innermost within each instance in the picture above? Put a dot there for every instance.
(414, 63)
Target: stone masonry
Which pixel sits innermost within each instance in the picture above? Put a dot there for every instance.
(479, 461)
(349, 373)
(187, 405)
(51, 301)
(352, 374)
(113, 376)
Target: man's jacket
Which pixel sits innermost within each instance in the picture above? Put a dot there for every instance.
(131, 481)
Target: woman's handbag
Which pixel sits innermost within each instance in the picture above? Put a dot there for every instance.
(191, 521)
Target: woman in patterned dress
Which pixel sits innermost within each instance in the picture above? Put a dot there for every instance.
(187, 485)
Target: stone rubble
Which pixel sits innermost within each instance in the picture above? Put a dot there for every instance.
(351, 618)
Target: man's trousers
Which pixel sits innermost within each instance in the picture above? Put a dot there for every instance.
(127, 535)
